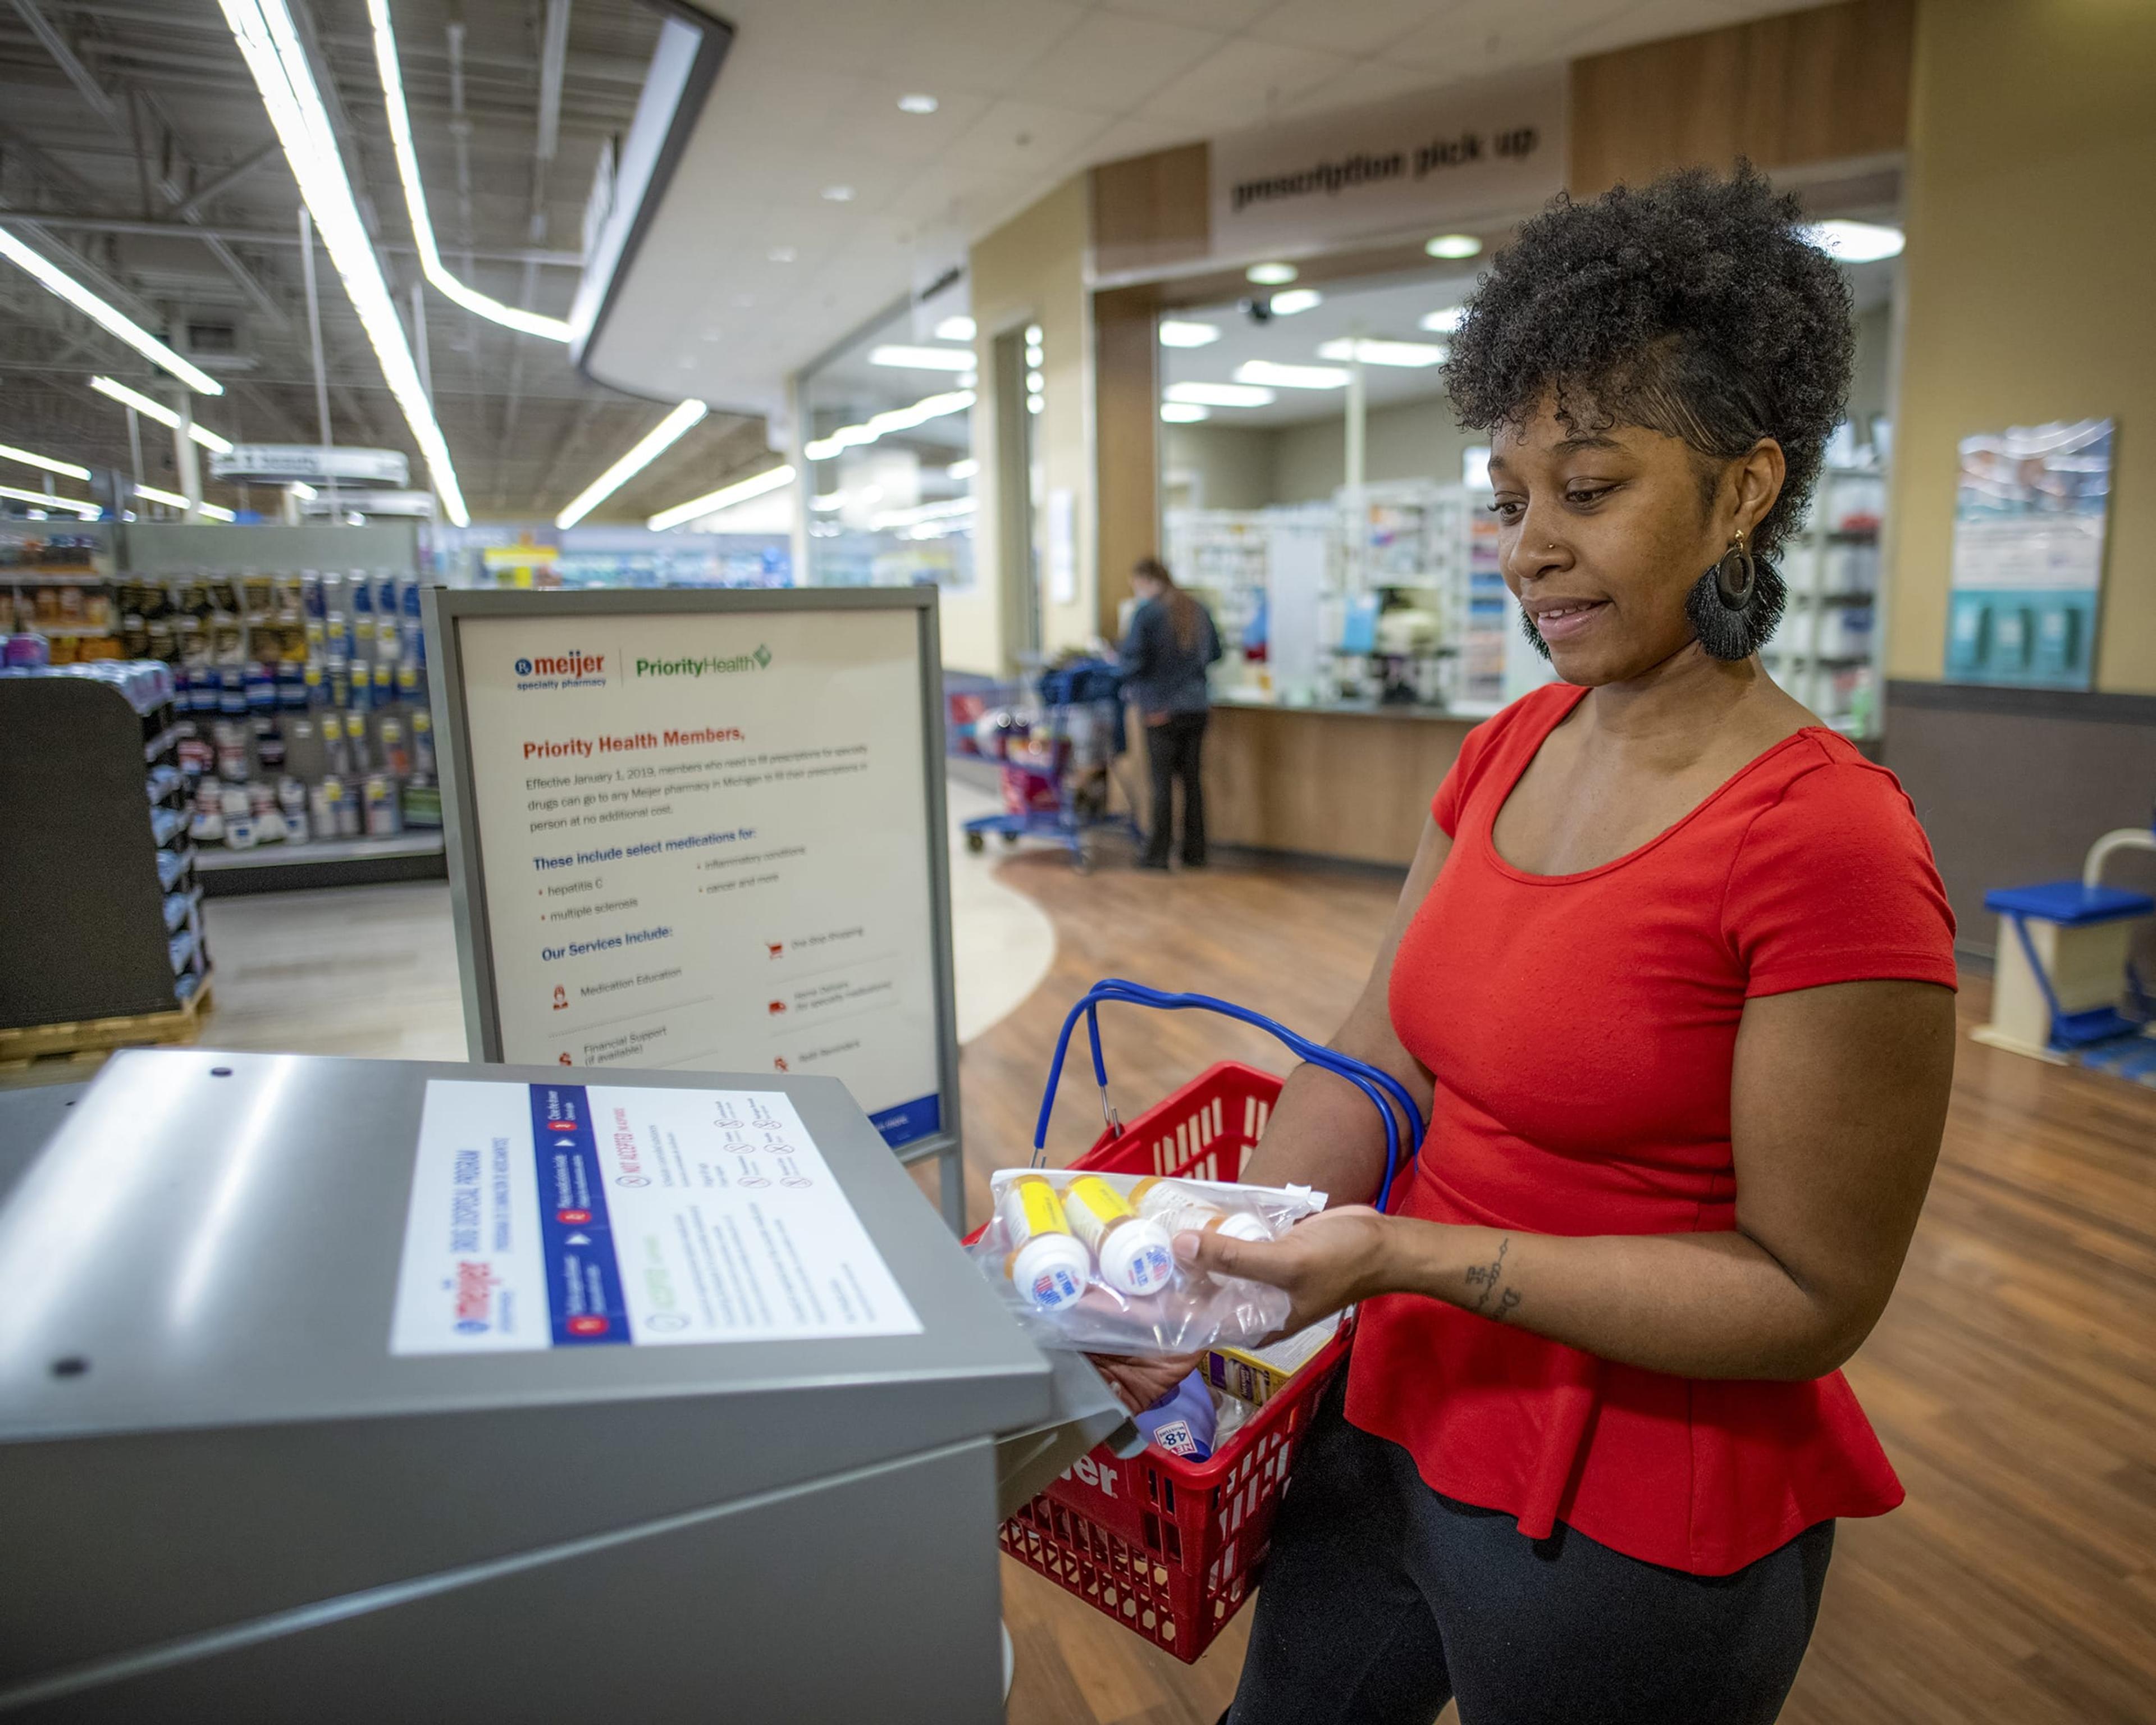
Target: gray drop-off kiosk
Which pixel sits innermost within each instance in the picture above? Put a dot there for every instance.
(223, 1498)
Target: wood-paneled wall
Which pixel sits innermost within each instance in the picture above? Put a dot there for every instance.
(1825, 85)
(1126, 454)
(1151, 211)
(1351, 785)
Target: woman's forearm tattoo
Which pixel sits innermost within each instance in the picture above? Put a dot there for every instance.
(1496, 1299)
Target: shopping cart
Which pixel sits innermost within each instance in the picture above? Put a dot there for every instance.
(1057, 754)
(1170, 1548)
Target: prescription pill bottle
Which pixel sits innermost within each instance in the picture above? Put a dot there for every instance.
(1181, 1209)
(1047, 1263)
(1133, 1254)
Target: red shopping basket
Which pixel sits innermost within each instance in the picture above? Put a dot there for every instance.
(1170, 1548)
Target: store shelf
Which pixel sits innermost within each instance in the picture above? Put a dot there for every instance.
(211, 861)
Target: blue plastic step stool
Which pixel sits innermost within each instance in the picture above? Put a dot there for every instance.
(2062, 968)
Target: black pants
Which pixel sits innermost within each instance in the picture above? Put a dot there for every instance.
(1382, 1600)
(1172, 747)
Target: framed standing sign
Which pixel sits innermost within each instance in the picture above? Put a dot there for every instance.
(705, 830)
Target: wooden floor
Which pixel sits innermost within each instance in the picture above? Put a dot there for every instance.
(2013, 1379)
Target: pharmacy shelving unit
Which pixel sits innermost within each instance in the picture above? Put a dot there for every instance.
(104, 911)
(1826, 653)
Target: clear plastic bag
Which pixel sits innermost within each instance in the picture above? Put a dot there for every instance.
(1084, 1261)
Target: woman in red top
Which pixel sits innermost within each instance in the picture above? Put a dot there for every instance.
(1674, 969)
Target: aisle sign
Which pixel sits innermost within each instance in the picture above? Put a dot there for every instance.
(704, 830)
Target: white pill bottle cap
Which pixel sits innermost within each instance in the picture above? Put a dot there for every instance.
(1051, 1270)
(1136, 1257)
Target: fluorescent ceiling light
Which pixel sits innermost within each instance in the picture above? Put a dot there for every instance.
(1856, 242)
(56, 280)
(1453, 246)
(88, 510)
(1184, 413)
(1265, 371)
(917, 104)
(770, 480)
(270, 45)
(958, 327)
(554, 329)
(304, 493)
(923, 359)
(216, 512)
(1177, 332)
(1383, 353)
(647, 449)
(1219, 395)
(66, 469)
(151, 408)
(1295, 300)
(1444, 322)
(782, 255)
(964, 470)
(1271, 275)
(838, 194)
(929, 407)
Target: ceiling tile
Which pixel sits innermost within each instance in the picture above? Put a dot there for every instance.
(1479, 36)
(1198, 14)
(966, 45)
(1347, 26)
(1022, 137)
(1243, 85)
(1368, 81)
(1113, 60)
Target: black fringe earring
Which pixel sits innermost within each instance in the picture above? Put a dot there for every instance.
(1734, 606)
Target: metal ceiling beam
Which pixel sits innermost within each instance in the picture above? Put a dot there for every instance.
(188, 210)
(263, 236)
(55, 45)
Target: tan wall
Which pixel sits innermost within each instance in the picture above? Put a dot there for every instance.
(1032, 269)
(1228, 466)
(2029, 266)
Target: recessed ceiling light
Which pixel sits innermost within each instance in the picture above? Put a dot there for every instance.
(838, 194)
(918, 104)
(1033, 335)
(1445, 322)
(922, 359)
(1271, 275)
(1219, 395)
(1035, 382)
(1856, 242)
(1453, 246)
(782, 253)
(958, 327)
(1383, 353)
(1034, 403)
(1175, 333)
(1265, 371)
(1184, 413)
(1295, 300)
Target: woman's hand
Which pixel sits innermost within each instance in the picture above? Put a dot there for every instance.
(1138, 1384)
(1333, 1260)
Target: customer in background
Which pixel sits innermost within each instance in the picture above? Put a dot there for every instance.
(1170, 641)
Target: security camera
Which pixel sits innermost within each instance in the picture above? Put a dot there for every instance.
(1258, 310)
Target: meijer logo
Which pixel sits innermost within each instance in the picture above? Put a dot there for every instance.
(572, 664)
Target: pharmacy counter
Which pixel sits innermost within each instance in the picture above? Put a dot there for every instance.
(1346, 780)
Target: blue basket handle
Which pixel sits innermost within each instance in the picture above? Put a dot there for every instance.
(1383, 1091)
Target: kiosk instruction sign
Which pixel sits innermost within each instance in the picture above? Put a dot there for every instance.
(704, 830)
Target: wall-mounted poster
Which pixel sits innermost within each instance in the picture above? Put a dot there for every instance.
(2028, 555)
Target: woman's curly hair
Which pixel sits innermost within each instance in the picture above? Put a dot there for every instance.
(1695, 306)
